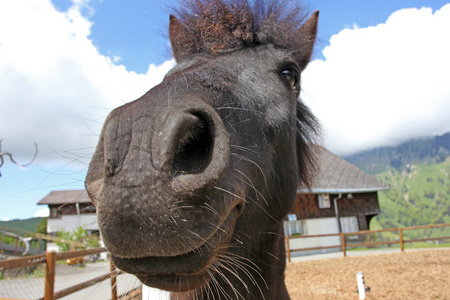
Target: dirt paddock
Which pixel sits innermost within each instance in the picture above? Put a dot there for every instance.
(411, 275)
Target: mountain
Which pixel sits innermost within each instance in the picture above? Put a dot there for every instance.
(419, 195)
(418, 174)
(26, 224)
(418, 151)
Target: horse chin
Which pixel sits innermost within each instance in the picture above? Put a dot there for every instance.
(185, 272)
(173, 274)
(177, 283)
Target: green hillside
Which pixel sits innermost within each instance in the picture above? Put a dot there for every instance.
(26, 224)
(414, 152)
(419, 195)
(417, 172)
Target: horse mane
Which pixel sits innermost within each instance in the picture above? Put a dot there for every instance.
(223, 25)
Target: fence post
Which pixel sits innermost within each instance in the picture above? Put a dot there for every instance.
(288, 249)
(113, 281)
(16, 247)
(343, 244)
(3, 238)
(50, 257)
(400, 235)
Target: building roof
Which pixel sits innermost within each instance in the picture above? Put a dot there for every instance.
(65, 197)
(336, 175)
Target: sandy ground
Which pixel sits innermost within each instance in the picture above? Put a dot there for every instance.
(411, 275)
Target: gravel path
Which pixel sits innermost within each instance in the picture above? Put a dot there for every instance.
(420, 275)
(67, 276)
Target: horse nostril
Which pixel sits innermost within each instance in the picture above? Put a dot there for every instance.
(194, 146)
(190, 149)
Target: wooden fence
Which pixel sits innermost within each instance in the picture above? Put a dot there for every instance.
(50, 259)
(344, 246)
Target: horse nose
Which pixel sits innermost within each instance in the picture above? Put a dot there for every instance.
(191, 145)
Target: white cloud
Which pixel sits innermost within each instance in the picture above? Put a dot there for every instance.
(385, 84)
(56, 88)
(43, 212)
(378, 85)
(117, 59)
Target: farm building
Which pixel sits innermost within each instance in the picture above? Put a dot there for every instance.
(69, 210)
(343, 198)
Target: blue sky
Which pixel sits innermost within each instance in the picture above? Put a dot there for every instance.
(136, 31)
(379, 76)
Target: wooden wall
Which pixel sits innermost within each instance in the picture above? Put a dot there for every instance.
(56, 211)
(363, 205)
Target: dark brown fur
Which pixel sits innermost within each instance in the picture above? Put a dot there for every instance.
(192, 180)
(210, 26)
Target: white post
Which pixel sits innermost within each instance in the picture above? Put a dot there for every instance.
(361, 288)
(77, 205)
(149, 293)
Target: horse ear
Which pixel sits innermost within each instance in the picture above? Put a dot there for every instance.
(179, 36)
(307, 35)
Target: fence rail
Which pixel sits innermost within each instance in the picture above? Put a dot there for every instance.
(344, 245)
(19, 236)
(49, 259)
(41, 236)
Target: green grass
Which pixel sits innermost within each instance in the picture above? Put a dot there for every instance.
(420, 245)
(420, 196)
(415, 245)
(39, 272)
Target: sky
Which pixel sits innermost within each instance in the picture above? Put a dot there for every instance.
(379, 76)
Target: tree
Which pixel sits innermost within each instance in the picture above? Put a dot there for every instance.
(41, 227)
(80, 234)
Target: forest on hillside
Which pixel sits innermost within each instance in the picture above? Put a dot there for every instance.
(31, 224)
(414, 152)
(418, 195)
(418, 174)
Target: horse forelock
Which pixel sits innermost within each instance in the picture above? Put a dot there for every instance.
(223, 25)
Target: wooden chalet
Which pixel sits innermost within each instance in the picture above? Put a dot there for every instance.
(69, 210)
(343, 198)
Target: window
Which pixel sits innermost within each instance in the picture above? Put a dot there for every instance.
(292, 217)
(293, 226)
(89, 209)
(55, 212)
(349, 224)
(324, 201)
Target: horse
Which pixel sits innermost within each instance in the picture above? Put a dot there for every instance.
(192, 180)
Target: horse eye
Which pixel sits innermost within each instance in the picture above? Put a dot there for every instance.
(292, 77)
